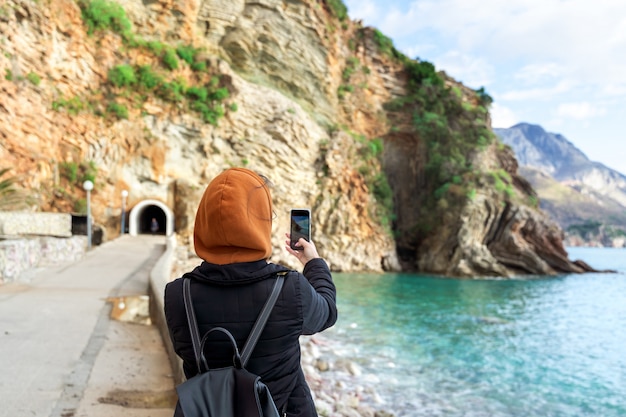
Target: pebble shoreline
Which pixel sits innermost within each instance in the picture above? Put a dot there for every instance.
(336, 382)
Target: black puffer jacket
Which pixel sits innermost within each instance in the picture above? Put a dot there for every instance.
(232, 296)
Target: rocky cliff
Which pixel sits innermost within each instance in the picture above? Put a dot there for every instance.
(558, 157)
(158, 97)
(586, 198)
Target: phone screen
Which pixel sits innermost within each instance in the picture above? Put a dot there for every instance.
(300, 226)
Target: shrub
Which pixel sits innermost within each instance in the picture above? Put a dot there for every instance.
(220, 94)
(170, 60)
(156, 47)
(420, 72)
(343, 89)
(73, 106)
(198, 93)
(441, 191)
(187, 53)
(484, 98)
(451, 130)
(590, 227)
(8, 193)
(69, 170)
(119, 110)
(372, 148)
(385, 44)
(80, 206)
(339, 10)
(198, 66)
(209, 114)
(33, 78)
(103, 14)
(147, 78)
(122, 76)
(171, 91)
(89, 171)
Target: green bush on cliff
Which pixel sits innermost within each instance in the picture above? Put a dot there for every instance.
(69, 170)
(155, 47)
(12, 198)
(80, 206)
(170, 59)
(33, 78)
(340, 11)
(502, 182)
(385, 45)
(103, 15)
(613, 232)
(137, 83)
(343, 89)
(89, 170)
(118, 110)
(8, 193)
(219, 94)
(173, 91)
(585, 230)
(76, 173)
(197, 93)
(122, 76)
(370, 168)
(73, 105)
(449, 128)
(189, 54)
(485, 99)
(147, 78)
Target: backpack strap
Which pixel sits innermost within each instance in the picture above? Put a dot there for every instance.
(193, 324)
(253, 338)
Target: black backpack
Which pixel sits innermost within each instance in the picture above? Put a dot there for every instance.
(231, 391)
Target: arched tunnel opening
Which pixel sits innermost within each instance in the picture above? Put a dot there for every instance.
(152, 220)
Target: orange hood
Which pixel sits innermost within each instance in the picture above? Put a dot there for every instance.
(234, 219)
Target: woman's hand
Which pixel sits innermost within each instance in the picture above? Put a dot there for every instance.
(307, 253)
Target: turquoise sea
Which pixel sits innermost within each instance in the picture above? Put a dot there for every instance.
(547, 346)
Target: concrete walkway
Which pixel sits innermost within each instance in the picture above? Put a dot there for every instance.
(61, 355)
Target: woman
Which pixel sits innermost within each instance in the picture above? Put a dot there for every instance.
(232, 234)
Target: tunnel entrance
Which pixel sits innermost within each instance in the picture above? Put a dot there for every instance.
(152, 220)
(150, 217)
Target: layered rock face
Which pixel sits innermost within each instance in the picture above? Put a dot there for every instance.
(283, 64)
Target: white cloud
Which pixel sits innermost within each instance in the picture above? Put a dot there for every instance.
(502, 116)
(473, 72)
(588, 38)
(543, 93)
(533, 73)
(558, 63)
(363, 9)
(580, 111)
(614, 90)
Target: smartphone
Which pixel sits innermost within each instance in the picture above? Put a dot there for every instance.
(300, 226)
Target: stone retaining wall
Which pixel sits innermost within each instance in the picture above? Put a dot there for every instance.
(32, 240)
(159, 277)
(13, 223)
(20, 257)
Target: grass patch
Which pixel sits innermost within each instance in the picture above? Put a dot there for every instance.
(202, 93)
(105, 15)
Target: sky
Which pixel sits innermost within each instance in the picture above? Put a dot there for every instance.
(560, 64)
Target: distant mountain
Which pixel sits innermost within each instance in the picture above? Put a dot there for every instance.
(586, 198)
